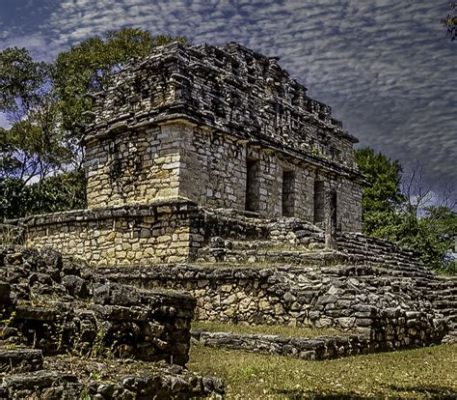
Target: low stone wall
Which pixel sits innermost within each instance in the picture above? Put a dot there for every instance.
(393, 310)
(160, 232)
(320, 348)
(160, 382)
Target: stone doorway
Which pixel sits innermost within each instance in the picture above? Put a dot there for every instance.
(319, 202)
(288, 193)
(252, 185)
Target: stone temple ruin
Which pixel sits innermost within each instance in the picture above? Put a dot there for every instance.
(211, 172)
(192, 128)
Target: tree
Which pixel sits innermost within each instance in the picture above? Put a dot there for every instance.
(22, 81)
(88, 67)
(450, 22)
(382, 196)
(47, 104)
(397, 207)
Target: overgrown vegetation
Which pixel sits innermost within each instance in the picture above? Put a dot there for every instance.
(399, 208)
(427, 373)
(47, 106)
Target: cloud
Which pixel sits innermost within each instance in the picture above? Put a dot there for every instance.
(385, 66)
(4, 121)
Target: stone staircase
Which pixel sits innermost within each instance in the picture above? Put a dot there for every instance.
(235, 238)
(444, 297)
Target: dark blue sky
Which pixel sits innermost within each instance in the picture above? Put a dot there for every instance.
(385, 66)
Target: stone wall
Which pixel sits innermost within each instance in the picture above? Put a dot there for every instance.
(179, 160)
(133, 166)
(67, 334)
(232, 89)
(179, 230)
(394, 310)
(221, 167)
(56, 307)
(155, 233)
(319, 348)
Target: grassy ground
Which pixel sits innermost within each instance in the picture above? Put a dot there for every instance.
(210, 326)
(428, 373)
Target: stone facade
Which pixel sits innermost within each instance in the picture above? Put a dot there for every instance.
(154, 233)
(393, 310)
(225, 128)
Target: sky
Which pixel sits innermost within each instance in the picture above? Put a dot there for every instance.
(386, 67)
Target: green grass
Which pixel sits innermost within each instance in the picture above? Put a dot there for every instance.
(283, 330)
(427, 373)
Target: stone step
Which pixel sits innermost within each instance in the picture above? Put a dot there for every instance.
(309, 259)
(319, 348)
(270, 256)
(34, 384)
(148, 381)
(20, 360)
(265, 245)
(446, 304)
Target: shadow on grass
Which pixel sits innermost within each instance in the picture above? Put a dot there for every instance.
(391, 392)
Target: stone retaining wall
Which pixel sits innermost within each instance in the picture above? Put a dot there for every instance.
(394, 311)
(160, 232)
(65, 333)
(57, 308)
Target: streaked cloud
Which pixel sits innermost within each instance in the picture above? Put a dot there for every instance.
(385, 66)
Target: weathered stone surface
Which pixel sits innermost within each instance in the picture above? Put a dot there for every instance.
(367, 299)
(20, 360)
(320, 348)
(58, 309)
(190, 124)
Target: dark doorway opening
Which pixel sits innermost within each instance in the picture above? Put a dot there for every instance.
(288, 193)
(252, 185)
(319, 201)
(333, 209)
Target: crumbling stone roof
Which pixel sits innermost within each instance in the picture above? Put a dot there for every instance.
(230, 88)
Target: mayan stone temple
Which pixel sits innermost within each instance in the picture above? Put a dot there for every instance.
(189, 130)
(217, 191)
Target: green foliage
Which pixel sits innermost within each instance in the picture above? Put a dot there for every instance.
(21, 80)
(65, 191)
(13, 198)
(389, 214)
(382, 195)
(47, 104)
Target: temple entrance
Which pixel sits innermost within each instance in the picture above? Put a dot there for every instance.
(319, 202)
(252, 185)
(288, 193)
